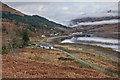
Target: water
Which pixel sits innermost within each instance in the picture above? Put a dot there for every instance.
(103, 42)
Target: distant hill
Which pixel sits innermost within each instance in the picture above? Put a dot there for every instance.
(91, 19)
(98, 30)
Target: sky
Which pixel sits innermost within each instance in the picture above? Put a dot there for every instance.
(63, 12)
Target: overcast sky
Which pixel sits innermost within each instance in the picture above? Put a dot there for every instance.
(63, 12)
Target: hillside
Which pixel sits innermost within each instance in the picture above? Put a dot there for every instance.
(106, 30)
(8, 9)
(33, 23)
(91, 19)
(21, 68)
(98, 29)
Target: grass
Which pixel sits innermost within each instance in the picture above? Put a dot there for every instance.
(91, 46)
(52, 56)
(87, 52)
(91, 57)
(35, 38)
(31, 47)
(81, 66)
(35, 58)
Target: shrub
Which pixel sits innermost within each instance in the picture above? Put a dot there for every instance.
(4, 50)
(62, 58)
(81, 66)
(58, 54)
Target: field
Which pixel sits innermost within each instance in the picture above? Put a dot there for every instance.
(51, 56)
(92, 55)
(33, 44)
(25, 68)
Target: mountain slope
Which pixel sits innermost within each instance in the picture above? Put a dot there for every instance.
(100, 27)
(8, 9)
(33, 23)
(91, 19)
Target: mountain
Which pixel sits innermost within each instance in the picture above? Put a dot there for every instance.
(35, 24)
(91, 19)
(9, 9)
(109, 30)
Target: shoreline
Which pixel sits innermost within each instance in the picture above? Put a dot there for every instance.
(97, 41)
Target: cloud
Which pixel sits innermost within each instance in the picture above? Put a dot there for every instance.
(65, 8)
(113, 21)
(63, 12)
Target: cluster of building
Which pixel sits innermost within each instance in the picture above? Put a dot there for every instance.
(81, 34)
(77, 33)
(55, 34)
(44, 46)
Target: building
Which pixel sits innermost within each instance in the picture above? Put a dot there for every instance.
(77, 33)
(46, 46)
(43, 36)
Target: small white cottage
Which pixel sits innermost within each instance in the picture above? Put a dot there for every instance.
(43, 36)
(46, 46)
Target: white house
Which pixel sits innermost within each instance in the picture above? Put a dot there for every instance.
(80, 33)
(43, 36)
(46, 46)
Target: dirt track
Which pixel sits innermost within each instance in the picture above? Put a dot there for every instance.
(22, 68)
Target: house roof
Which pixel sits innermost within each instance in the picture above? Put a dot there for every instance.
(41, 44)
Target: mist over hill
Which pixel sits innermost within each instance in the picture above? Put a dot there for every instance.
(94, 21)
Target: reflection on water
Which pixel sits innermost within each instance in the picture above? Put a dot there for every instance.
(103, 42)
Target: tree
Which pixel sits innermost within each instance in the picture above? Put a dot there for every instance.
(25, 37)
(11, 37)
(13, 41)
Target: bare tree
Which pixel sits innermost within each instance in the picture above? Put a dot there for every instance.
(10, 39)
